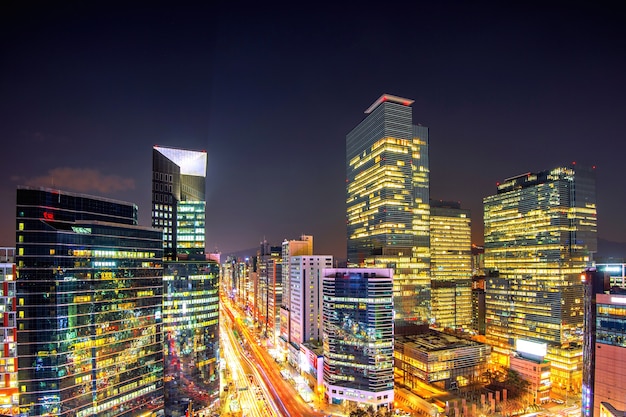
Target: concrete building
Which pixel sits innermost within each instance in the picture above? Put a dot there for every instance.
(290, 248)
(529, 362)
(387, 203)
(305, 281)
(604, 345)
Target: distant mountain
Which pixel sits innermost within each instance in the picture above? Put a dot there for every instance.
(611, 251)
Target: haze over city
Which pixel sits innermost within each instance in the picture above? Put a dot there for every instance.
(505, 88)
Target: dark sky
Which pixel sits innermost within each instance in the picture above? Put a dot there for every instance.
(87, 88)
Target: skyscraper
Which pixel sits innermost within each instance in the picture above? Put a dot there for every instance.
(269, 293)
(540, 233)
(387, 202)
(89, 293)
(358, 335)
(9, 397)
(290, 248)
(451, 264)
(305, 280)
(191, 280)
(178, 199)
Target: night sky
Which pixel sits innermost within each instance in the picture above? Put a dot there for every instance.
(87, 88)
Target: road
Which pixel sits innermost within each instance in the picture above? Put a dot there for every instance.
(283, 395)
(246, 391)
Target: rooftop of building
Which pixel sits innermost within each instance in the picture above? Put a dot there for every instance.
(390, 98)
(433, 340)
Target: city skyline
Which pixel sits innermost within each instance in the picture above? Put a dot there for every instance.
(504, 89)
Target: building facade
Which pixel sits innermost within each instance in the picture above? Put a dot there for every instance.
(478, 305)
(191, 278)
(440, 359)
(269, 291)
(604, 343)
(540, 232)
(9, 396)
(89, 293)
(305, 280)
(178, 200)
(290, 248)
(358, 336)
(451, 265)
(190, 326)
(387, 202)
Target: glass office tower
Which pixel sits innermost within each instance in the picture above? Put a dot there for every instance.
(190, 324)
(9, 396)
(178, 199)
(451, 264)
(540, 233)
(358, 336)
(89, 293)
(191, 302)
(387, 202)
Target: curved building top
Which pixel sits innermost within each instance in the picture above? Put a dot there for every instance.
(390, 98)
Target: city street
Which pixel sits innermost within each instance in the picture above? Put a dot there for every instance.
(283, 396)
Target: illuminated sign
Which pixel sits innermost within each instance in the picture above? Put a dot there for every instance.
(48, 216)
(618, 300)
(612, 268)
(532, 348)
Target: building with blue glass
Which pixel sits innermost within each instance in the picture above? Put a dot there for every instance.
(358, 336)
(89, 293)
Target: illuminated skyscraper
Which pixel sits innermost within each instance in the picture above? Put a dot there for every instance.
(451, 264)
(387, 202)
(178, 199)
(89, 294)
(358, 336)
(191, 280)
(540, 233)
(9, 397)
(269, 290)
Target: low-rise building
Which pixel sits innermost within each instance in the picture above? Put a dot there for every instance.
(536, 373)
(440, 359)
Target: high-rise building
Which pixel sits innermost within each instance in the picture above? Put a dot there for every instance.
(540, 232)
(358, 336)
(178, 199)
(191, 278)
(290, 248)
(269, 290)
(305, 280)
(89, 294)
(387, 202)
(9, 397)
(604, 343)
(478, 304)
(450, 265)
(190, 325)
